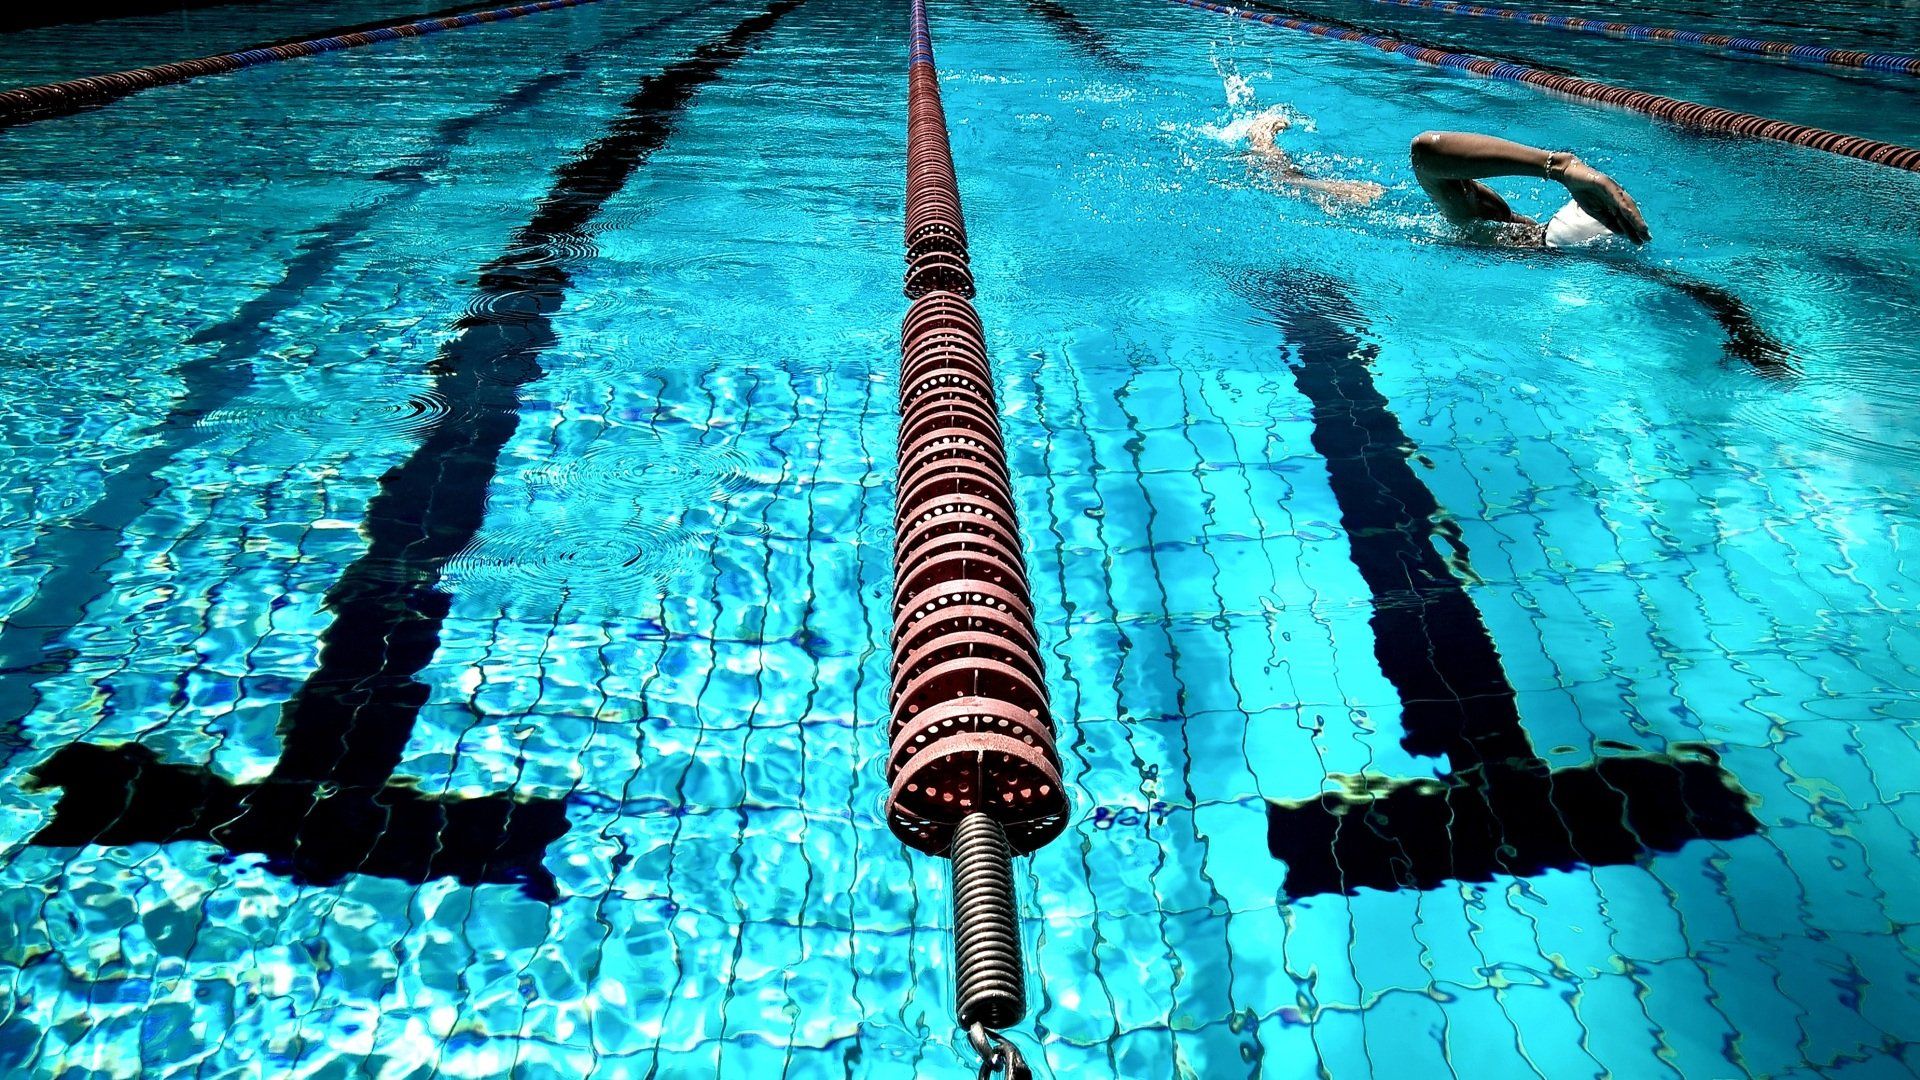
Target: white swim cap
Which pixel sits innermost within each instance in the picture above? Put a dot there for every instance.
(1573, 227)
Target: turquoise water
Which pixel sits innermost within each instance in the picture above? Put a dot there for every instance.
(669, 622)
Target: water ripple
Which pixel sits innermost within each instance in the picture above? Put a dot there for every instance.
(392, 410)
(650, 472)
(561, 249)
(575, 564)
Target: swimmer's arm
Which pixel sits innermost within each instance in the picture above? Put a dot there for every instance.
(1285, 173)
(1746, 339)
(1461, 155)
(1450, 164)
(1358, 192)
(1274, 159)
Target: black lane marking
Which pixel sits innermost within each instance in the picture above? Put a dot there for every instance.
(328, 809)
(1499, 808)
(80, 550)
(352, 719)
(1088, 40)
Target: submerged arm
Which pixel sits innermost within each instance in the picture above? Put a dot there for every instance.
(1281, 167)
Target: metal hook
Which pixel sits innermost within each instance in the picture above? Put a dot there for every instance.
(997, 1054)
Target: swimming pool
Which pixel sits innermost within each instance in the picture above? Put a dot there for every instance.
(535, 383)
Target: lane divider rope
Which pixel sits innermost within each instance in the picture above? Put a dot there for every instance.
(1898, 63)
(1685, 113)
(30, 103)
(973, 771)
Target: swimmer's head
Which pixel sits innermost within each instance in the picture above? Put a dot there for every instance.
(1260, 133)
(1266, 127)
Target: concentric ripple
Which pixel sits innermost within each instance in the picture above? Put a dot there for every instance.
(561, 249)
(392, 410)
(503, 306)
(589, 564)
(1852, 420)
(647, 471)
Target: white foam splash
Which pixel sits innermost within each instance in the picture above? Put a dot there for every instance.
(1235, 130)
(1239, 91)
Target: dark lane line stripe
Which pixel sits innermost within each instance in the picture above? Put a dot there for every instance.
(1499, 808)
(33, 16)
(1088, 40)
(325, 811)
(1428, 636)
(1096, 44)
(352, 719)
(80, 550)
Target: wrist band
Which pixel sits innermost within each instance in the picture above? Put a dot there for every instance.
(1556, 170)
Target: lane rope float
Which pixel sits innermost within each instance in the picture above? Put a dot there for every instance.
(1685, 113)
(27, 104)
(973, 772)
(1897, 63)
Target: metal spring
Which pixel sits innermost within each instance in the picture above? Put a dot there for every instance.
(973, 771)
(989, 981)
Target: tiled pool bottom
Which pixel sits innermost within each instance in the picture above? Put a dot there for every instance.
(700, 738)
(703, 752)
(1724, 957)
(731, 901)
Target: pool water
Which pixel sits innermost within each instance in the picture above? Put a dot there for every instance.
(525, 395)
(49, 53)
(1859, 102)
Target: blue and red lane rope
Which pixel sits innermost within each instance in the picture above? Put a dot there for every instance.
(29, 103)
(1686, 113)
(1897, 63)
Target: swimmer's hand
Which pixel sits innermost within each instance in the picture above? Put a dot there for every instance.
(1605, 200)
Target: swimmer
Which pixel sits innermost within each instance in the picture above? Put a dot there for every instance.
(1280, 166)
(1450, 165)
